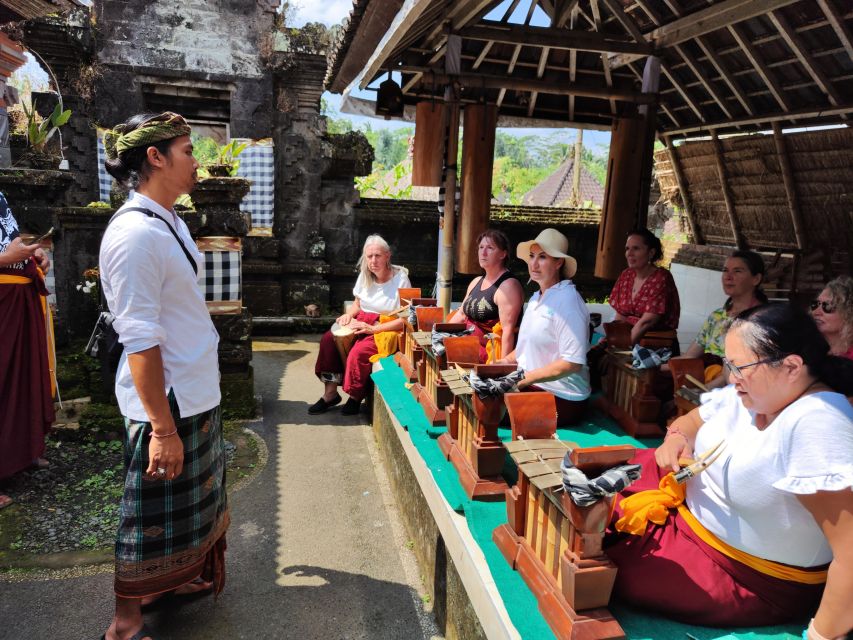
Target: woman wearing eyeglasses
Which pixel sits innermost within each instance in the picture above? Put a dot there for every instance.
(764, 535)
(833, 314)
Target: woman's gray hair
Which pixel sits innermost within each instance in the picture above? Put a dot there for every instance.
(374, 239)
(841, 290)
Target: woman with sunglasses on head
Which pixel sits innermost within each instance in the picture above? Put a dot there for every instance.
(742, 275)
(833, 314)
(764, 535)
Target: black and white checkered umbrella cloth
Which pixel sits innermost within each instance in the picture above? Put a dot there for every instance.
(585, 492)
(439, 336)
(413, 316)
(645, 358)
(491, 387)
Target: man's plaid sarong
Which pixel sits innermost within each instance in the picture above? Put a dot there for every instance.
(170, 532)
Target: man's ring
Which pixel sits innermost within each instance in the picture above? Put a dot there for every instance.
(161, 471)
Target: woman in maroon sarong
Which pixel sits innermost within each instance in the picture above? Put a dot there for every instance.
(26, 402)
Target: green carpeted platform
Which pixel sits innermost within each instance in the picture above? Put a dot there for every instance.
(484, 517)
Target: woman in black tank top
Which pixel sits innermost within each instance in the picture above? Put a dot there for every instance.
(494, 297)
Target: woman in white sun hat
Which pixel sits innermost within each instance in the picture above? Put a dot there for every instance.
(554, 334)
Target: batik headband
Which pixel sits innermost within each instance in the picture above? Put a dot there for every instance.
(166, 126)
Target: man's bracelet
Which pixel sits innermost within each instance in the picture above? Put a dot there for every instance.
(164, 435)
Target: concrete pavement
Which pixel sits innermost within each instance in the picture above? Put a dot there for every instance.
(315, 547)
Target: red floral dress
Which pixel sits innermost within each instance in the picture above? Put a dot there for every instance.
(657, 295)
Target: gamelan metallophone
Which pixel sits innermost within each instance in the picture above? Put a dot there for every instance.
(629, 395)
(555, 545)
(471, 442)
(427, 315)
(433, 394)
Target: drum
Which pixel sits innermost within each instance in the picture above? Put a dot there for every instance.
(344, 339)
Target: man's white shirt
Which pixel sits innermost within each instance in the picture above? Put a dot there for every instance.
(153, 292)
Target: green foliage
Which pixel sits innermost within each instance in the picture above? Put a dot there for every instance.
(101, 418)
(40, 131)
(227, 155)
(205, 149)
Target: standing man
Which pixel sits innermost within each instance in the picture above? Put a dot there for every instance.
(174, 513)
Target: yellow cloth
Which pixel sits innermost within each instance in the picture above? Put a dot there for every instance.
(387, 342)
(493, 345)
(654, 505)
(712, 371)
(6, 279)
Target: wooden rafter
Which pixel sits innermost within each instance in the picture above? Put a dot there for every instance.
(734, 221)
(605, 60)
(715, 60)
(482, 55)
(836, 20)
(555, 37)
(800, 50)
(703, 79)
(759, 65)
(678, 172)
(790, 188)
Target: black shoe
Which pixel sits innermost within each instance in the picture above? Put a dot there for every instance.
(322, 406)
(351, 407)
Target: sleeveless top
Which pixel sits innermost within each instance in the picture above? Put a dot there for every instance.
(480, 305)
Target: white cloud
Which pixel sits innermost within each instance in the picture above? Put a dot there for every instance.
(328, 12)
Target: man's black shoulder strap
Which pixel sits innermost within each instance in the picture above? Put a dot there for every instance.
(151, 214)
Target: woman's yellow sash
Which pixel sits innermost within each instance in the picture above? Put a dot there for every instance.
(654, 505)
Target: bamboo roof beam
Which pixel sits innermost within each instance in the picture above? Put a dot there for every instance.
(801, 51)
(555, 37)
(695, 230)
(549, 84)
(759, 66)
(573, 61)
(790, 188)
(802, 114)
(605, 60)
(836, 20)
(734, 221)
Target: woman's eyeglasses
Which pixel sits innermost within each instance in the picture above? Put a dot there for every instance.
(826, 305)
(737, 371)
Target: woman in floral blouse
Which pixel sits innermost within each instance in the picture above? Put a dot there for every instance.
(645, 294)
(742, 276)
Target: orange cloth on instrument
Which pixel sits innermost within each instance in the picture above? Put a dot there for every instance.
(387, 342)
(650, 506)
(493, 345)
(654, 505)
(712, 371)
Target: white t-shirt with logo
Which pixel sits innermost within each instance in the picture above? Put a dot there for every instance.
(748, 497)
(384, 297)
(556, 325)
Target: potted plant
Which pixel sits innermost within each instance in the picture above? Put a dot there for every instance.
(39, 132)
(226, 163)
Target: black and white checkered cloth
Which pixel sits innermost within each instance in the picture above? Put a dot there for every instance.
(219, 277)
(439, 336)
(491, 387)
(645, 358)
(257, 164)
(585, 492)
(105, 180)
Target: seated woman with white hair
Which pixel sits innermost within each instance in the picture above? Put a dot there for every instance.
(376, 293)
(554, 335)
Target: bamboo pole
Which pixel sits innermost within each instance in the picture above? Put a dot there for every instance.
(727, 192)
(790, 190)
(695, 231)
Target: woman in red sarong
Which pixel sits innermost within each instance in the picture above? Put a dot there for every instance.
(496, 297)
(25, 376)
(765, 534)
(376, 293)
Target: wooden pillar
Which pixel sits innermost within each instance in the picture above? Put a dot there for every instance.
(695, 231)
(621, 195)
(790, 190)
(478, 151)
(429, 144)
(452, 63)
(575, 200)
(740, 243)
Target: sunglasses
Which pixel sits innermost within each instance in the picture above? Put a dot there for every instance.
(826, 305)
(737, 371)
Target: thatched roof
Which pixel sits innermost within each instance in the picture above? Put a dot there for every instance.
(730, 65)
(556, 189)
(765, 204)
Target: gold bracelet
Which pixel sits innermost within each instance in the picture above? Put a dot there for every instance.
(163, 435)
